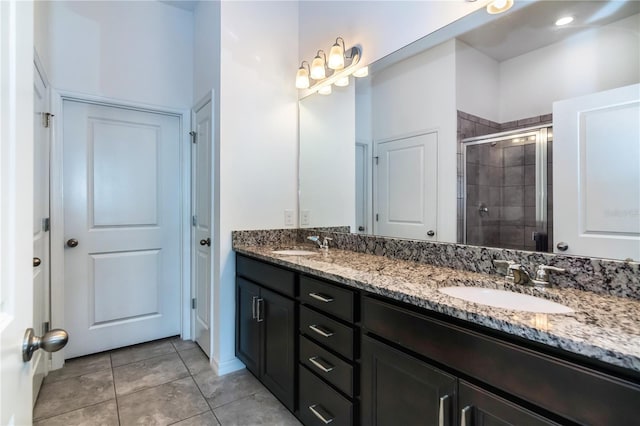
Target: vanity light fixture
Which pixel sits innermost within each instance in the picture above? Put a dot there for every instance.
(336, 69)
(318, 71)
(498, 6)
(564, 21)
(302, 77)
(336, 55)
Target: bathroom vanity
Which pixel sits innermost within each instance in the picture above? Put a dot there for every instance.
(350, 338)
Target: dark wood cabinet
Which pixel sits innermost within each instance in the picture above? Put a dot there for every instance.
(398, 389)
(266, 338)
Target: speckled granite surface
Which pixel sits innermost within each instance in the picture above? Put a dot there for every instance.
(602, 327)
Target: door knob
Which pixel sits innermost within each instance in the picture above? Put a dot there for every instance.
(562, 246)
(72, 242)
(52, 341)
(431, 233)
(206, 242)
(361, 228)
(36, 261)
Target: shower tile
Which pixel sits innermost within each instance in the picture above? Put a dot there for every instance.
(514, 156)
(483, 195)
(513, 196)
(496, 156)
(529, 195)
(529, 242)
(513, 236)
(485, 154)
(473, 195)
(509, 125)
(547, 118)
(529, 175)
(495, 176)
(513, 215)
(530, 216)
(473, 155)
(529, 121)
(495, 195)
(513, 176)
(473, 171)
(482, 129)
(530, 153)
(467, 128)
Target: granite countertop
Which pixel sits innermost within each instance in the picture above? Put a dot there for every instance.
(605, 328)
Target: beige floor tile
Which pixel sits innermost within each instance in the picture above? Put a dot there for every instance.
(183, 345)
(204, 419)
(103, 414)
(79, 366)
(195, 360)
(141, 352)
(256, 410)
(148, 373)
(220, 390)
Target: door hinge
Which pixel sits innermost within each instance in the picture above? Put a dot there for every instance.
(46, 119)
(45, 327)
(194, 220)
(193, 136)
(376, 217)
(193, 303)
(376, 158)
(46, 224)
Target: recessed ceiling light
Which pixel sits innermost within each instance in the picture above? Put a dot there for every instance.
(564, 20)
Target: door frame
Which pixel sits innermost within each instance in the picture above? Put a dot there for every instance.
(57, 205)
(214, 211)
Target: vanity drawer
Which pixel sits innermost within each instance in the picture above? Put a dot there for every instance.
(328, 332)
(327, 297)
(319, 360)
(541, 379)
(269, 276)
(320, 405)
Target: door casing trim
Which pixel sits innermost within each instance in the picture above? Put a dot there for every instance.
(57, 205)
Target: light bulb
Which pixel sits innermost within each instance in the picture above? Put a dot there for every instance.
(302, 78)
(362, 72)
(317, 68)
(336, 57)
(342, 82)
(326, 90)
(499, 6)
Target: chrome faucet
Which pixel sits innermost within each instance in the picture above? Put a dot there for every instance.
(315, 239)
(522, 276)
(322, 245)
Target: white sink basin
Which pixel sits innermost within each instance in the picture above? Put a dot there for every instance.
(295, 252)
(506, 300)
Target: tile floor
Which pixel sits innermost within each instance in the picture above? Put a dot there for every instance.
(165, 382)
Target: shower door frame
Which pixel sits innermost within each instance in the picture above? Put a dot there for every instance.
(543, 134)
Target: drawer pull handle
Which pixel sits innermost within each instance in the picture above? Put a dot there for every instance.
(442, 411)
(321, 297)
(321, 331)
(465, 416)
(253, 307)
(316, 413)
(318, 362)
(260, 309)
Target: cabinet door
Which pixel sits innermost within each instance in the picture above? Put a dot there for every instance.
(277, 318)
(247, 327)
(481, 408)
(398, 389)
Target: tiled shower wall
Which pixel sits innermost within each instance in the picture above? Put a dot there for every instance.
(501, 190)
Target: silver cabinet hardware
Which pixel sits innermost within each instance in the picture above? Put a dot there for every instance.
(442, 409)
(321, 331)
(52, 341)
(72, 243)
(465, 415)
(361, 228)
(321, 297)
(259, 309)
(318, 362)
(206, 242)
(431, 233)
(36, 261)
(314, 409)
(253, 307)
(562, 246)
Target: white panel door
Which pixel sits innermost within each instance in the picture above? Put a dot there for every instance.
(16, 208)
(596, 171)
(41, 256)
(407, 183)
(202, 234)
(121, 183)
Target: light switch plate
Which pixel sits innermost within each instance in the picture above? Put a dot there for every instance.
(305, 217)
(288, 218)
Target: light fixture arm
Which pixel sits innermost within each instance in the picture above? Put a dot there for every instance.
(308, 66)
(355, 53)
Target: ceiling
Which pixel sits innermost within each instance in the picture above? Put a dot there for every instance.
(189, 5)
(533, 27)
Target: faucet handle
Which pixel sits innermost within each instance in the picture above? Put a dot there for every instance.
(542, 274)
(503, 263)
(313, 238)
(325, 242)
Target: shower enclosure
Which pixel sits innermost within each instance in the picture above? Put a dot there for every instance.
(508, 189)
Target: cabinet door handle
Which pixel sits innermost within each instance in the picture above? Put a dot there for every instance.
(253, 307)
(316, 413)
(260, 310)
(321, 331)
(318, 362)
(321, 297)
(465, 416)
(443, 412)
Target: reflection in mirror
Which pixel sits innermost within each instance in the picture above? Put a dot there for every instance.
(454, 143)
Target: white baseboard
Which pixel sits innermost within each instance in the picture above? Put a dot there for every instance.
(226, 367)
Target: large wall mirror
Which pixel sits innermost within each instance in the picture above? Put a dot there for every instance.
(509, 132)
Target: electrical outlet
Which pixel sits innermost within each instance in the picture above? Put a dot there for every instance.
(305, 217)
(288, 218)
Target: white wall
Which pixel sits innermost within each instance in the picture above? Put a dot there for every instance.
(129, 50)
(206, 60)
(327, 158)
(380, 27)
(592, 61)
(258, 139)
(477, 82)
(416, 95)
